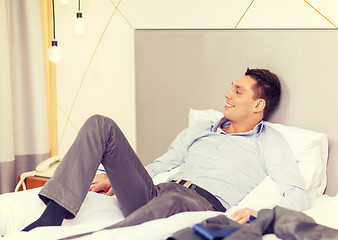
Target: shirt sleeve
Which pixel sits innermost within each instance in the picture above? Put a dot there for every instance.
(173, 158)
(282, 167)
(178, 150)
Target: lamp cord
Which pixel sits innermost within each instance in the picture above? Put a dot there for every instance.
(79, 6)
(53, 19)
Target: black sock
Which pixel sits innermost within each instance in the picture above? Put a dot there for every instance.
(52, 216)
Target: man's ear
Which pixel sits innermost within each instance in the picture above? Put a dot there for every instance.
(260, 105)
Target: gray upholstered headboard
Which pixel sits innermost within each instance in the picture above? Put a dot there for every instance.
(181, 69)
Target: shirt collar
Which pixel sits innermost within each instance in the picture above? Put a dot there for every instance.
(224, 122)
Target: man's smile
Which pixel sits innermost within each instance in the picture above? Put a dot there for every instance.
(228, 105)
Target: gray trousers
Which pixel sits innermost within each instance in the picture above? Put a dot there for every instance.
(101, 141)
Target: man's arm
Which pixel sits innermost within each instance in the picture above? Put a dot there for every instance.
(178, 149)
(173, 158)
(282, 167)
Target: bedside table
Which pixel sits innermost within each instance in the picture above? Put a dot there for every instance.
(35, 181)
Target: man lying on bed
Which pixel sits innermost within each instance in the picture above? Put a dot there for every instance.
(219, 163)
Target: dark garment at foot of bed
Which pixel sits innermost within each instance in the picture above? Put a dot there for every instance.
(284, 223)
(212, 224)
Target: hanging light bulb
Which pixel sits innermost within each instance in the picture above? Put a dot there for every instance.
(79, 24)
(54, 52)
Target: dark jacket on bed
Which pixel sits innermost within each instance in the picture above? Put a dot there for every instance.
(284, 223)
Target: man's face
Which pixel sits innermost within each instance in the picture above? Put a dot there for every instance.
(240, 102)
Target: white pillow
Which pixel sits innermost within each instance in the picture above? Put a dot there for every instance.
(310, 149)
(202, 115)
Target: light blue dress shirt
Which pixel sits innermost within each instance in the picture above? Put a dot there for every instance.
(231, 165)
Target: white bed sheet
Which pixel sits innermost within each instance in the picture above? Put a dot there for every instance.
(98, 211)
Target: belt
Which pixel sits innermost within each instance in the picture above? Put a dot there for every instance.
(202, 192)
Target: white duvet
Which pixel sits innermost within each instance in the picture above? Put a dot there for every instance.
(17, 210)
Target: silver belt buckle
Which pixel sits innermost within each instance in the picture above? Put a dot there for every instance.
(187, 184)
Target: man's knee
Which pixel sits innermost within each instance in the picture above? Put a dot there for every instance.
(94, 119)
(98, 120)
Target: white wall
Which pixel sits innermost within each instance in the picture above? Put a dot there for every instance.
(96, 74)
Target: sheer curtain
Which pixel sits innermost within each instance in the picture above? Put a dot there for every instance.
(24, 134)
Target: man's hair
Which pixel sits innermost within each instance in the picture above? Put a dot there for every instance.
(267, 87)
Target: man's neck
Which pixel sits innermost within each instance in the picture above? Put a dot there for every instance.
(240, 127)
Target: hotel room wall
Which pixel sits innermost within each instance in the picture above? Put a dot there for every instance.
(97, 75)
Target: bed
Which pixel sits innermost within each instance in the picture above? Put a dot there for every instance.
(98, 211)
(167, 63)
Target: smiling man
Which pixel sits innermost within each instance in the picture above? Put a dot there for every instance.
(219, 163)
(243, 107)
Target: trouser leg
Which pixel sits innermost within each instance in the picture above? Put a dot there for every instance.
(172, 199)
(100, 140)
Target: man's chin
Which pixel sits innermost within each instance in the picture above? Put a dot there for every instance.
(226, 114)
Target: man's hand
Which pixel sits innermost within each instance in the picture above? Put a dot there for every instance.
(103, 185)
(242, 216)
